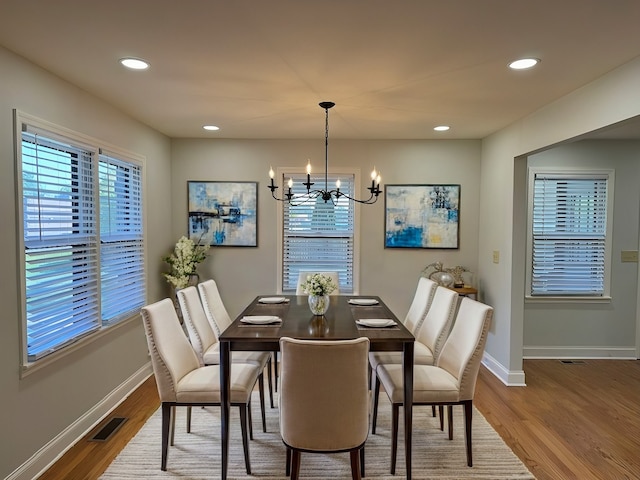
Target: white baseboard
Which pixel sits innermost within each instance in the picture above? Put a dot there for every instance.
(563, 352)
(509, 378)
(53, 450)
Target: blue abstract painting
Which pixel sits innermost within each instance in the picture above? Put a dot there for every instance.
(422, 216)
(223, 214)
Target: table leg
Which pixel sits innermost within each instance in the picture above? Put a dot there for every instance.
(225, 401)
(407, 367)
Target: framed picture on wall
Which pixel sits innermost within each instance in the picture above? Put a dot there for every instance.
(422, 216)
(224, 214)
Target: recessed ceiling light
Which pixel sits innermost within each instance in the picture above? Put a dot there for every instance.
(134, 63)
(211, 127)
(441, 128)
(524, 63)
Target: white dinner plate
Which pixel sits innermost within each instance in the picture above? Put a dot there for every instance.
(363, 301)
(272, 300)
(375, 322)
(260, 319)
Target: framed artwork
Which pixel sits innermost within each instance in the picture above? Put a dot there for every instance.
(422, 216)
(225, 214)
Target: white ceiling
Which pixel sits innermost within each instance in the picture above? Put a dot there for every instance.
(258, 68)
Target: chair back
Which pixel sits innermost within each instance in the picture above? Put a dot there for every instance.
(437, 323)
(172, 357)
(302, 277)
(420, 305)
(213, 307)
(324, 397)
(462, 352)
(199, 329)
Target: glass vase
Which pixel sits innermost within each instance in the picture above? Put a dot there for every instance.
(319, 304)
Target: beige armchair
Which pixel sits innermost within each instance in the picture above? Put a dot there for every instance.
(452, 380)
(218, 319)
(205, 344)
(324, 399)
(180, 378)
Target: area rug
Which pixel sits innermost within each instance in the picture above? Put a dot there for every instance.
(196, 455)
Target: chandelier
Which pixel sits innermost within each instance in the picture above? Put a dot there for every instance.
(326, 194)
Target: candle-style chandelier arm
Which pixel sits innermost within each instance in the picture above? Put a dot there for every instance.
(375, 191)
(326, 194)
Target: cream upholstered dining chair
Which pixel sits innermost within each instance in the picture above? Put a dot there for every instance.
(219, 320)
(206, 346)
(418, 310)
(180, 378)
(430, 336)
(302, 277)
(452, 380)
(324, 399)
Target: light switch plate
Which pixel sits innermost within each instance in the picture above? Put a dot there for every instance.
(496, 256)
(629, 256)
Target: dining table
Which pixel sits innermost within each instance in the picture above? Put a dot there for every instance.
(347, 318)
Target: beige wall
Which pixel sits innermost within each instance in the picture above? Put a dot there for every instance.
(243, 273)
(55, 403)
(610, 99)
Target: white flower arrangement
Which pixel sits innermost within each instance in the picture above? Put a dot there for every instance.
(318, 284)
(184, 261)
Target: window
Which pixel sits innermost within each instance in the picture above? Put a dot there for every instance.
(82, 238)
(317, 235)
(570, 234)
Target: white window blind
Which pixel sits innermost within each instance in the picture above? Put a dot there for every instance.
(121, 238)
(319, 236)
(83, 239)
(60, 241)
(569, 235)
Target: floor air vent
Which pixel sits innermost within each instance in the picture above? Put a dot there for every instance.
(573, 362)
(109, 429)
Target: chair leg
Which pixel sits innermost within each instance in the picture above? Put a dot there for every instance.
(287, 468)
(172, 431)
(244, 409)
(395, 413)
(295, 464)
(189, 419)
(166, 425)
(468, 413)
(275, 370)
(376, 397)
(250, 416)
(441, 412)
(433, 410)
(362, 462)
(261, 391)
(355, 464)
(450, 420)
(270, 380)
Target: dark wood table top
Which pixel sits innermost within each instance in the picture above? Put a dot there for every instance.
(339, 323)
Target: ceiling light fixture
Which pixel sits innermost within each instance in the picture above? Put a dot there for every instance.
(211, 128)
(441, 128)
(524, 63)
(326, 194)
(134, 63)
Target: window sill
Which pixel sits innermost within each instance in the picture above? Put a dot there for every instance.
(31, 367)
(567, 299)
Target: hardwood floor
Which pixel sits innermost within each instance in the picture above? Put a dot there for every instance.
(87, 459)
(572, 421)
